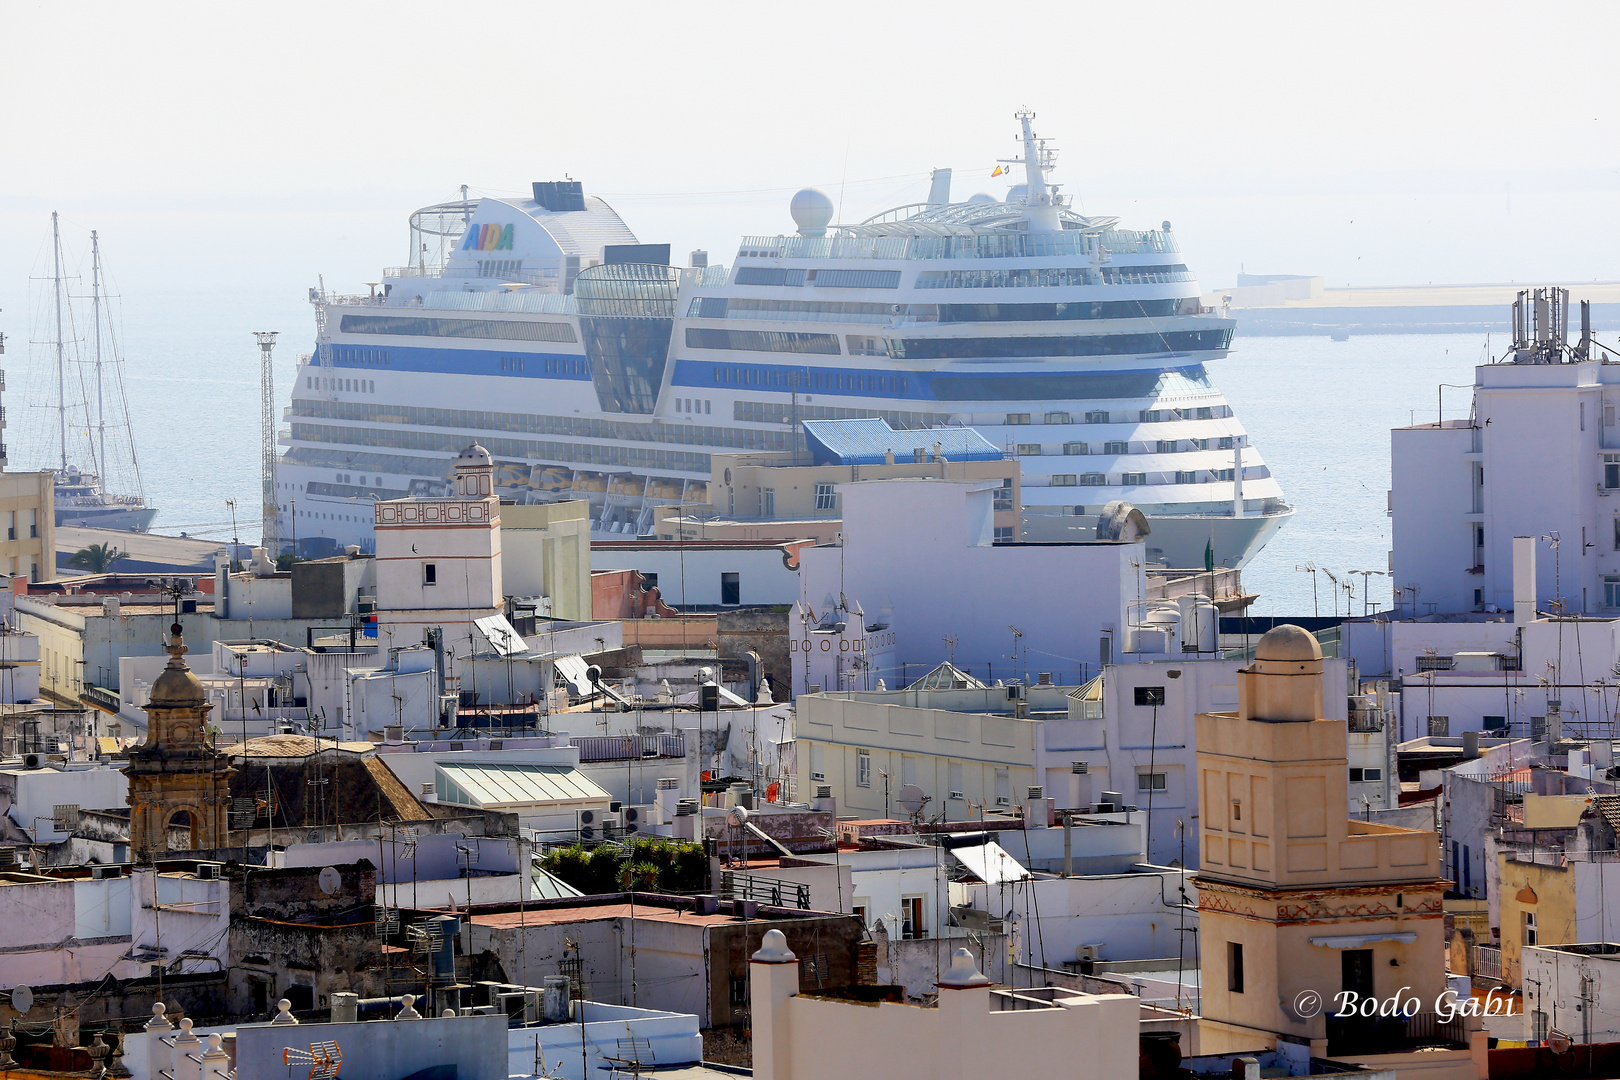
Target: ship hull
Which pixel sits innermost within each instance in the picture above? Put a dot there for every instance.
(126, 519)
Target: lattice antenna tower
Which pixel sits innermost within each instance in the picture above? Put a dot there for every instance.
(267, 436)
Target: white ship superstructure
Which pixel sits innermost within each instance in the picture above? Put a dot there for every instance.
(592, 369)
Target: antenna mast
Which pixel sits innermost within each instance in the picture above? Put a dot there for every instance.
(267, 450)
(61, 359)
(95, 307)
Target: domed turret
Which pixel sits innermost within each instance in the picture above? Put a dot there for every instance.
(475, 473)
(1284, 683)
(176, 687)
(1287, 643)
(812, 211)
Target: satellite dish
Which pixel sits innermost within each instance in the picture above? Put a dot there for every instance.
(594, 674)
(912, 798)
(1557, 1041)
(22, 997)
(329, 880)
(738, 817)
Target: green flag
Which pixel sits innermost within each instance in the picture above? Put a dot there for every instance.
(1209, 556)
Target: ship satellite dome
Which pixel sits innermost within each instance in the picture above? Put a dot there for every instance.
(1018, 193)
(982, 198)
(812, 211)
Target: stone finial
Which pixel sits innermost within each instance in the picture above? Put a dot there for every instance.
(448, 1014)
(284, 1014)
(8, 1043)
(963, 972)
(185, 1035)
(216, 1045)
(409, 1011)
(159, 1022)
(773, 949)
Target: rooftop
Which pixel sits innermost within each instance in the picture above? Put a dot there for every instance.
(871, 441)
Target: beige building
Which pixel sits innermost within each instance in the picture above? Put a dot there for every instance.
(788, 496)
(546, 557)
(1302, 910)
(27, 524)
(973, 1029)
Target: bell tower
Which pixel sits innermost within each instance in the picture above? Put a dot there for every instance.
(176, 776)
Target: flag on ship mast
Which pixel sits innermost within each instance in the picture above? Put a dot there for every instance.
(998, 172)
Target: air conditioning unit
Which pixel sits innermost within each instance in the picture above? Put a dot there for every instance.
(33, 761)
(1037, 792)
(8, 858)
(1086, 953)
(209, 871)
(106, 871)
(958, 796)
(1080, 768)
(1105, 808)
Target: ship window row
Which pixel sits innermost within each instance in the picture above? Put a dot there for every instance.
(781, 412)
(1000, 244)
(354, 386)
(434, 442)
(831, 381)
(1087, 345)
(1124, 446)
(428, 326)
(356, 491)
(1066, 312)
(1146, 275)
(357, 355)
(480, 420)
(795, 277)
(1023, 278)
(777, 341)
(505, 269)
(1154, 479)
(723, 307)
(1143, 416)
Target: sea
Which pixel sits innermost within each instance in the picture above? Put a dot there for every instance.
(1318, 411)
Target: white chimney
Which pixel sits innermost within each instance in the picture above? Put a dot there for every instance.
(668, 795)
(1524, 580)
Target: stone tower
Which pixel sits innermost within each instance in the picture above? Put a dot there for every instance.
(1297, 902)
(177, 770)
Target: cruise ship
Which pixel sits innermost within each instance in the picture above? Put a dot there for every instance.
(593, 369)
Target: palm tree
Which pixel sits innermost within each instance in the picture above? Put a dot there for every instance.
(97, 558)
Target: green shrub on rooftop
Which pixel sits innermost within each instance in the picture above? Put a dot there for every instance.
(651, 865)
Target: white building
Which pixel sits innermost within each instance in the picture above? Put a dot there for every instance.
(972, 1031)
(919, 558)
(1573, 990)
(439, 559)
(1538, 457)
(110, 922)
(707, 574)
(1123, 738)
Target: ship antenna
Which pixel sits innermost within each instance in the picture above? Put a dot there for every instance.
(1041, 202)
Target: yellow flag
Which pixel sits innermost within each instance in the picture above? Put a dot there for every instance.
(998, 172)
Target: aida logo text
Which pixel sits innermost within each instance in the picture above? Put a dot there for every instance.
(488, 238)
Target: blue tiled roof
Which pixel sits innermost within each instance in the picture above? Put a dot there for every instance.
(867, 442)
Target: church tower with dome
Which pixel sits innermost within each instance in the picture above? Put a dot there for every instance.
(177, 778)
(1298, 901)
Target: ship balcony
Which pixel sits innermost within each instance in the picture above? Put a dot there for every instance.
(284, 437)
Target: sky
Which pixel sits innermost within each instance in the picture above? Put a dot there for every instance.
(1372, 143)
(232, 156)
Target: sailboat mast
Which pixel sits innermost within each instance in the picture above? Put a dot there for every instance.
(95, 302)
(61, 358)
